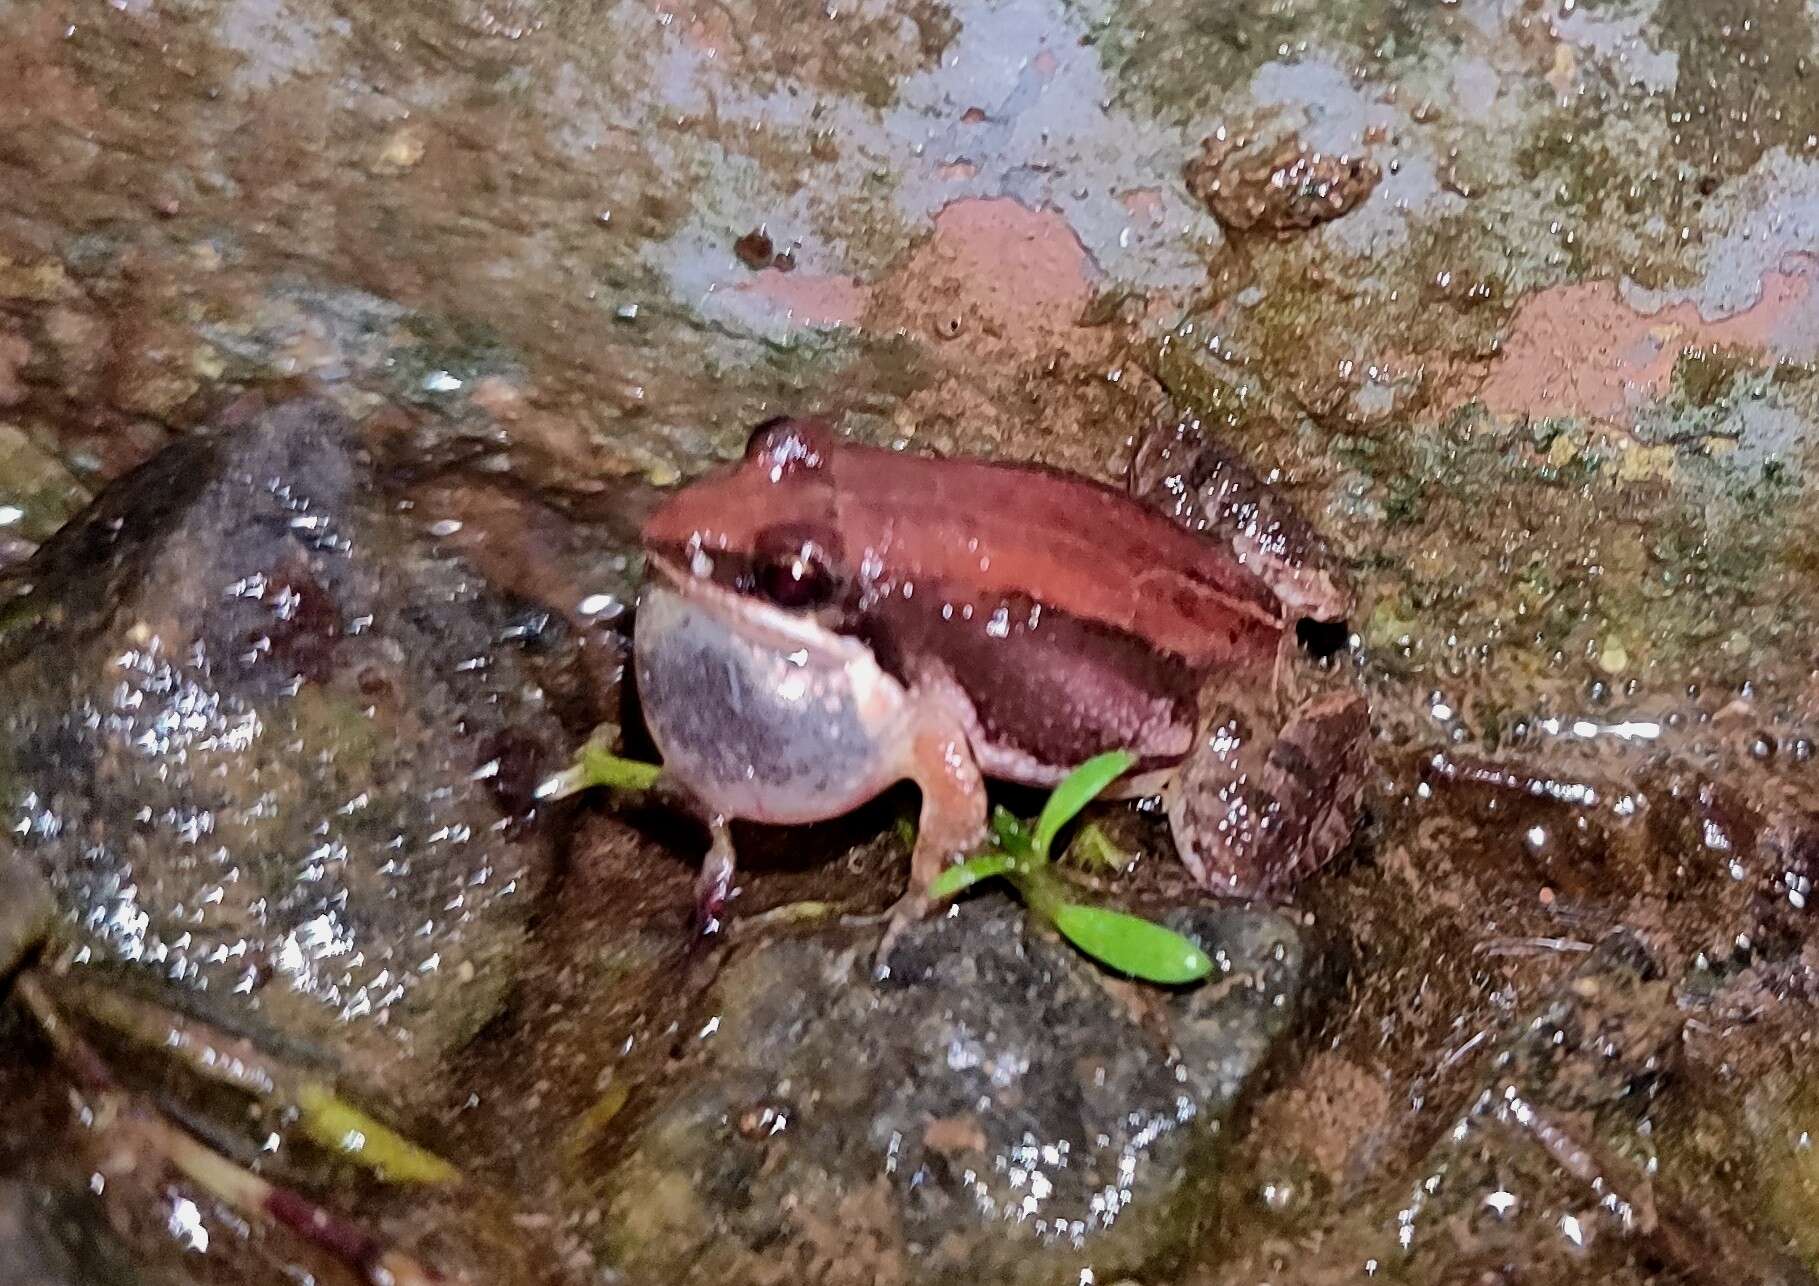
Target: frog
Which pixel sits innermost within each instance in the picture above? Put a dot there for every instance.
(822, 619)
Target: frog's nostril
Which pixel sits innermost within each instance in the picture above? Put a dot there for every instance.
(1323, 640)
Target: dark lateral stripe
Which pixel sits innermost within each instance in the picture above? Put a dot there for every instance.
(1293, 762)
(1041, 680)
(1095, 552)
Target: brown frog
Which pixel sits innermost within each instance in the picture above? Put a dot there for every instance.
(823, 619)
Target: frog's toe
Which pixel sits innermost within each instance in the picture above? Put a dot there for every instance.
(908, 911)
(714, 883)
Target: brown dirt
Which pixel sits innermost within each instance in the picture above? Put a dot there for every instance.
(1324, 1116)
(1012, 279)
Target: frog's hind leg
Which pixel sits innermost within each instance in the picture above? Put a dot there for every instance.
(1295, 674)
(1322, 760)
(940, 761)
(1247, 813)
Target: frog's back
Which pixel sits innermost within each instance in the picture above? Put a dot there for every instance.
(1076, 545)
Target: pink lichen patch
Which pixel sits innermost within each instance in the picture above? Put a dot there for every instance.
(994, 267)
(1581, 350)
(1144, 205)
(1045, 64)
(957, 171)
(810, 299)
(706, 31)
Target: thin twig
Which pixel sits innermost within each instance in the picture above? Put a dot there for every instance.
(252, 1195)
(1529, 946)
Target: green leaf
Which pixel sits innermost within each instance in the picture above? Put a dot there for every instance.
(338, 1125)
(1078, 789)
(595, 766)
(1132, 945)
(1093, 849)
(963, 875)
(1012, 834)
(592, 1123)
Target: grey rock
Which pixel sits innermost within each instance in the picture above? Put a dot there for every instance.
(998, 1109)
(49, 1238)
(256, 735)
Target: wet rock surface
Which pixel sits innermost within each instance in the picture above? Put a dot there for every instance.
(48, 1243)
(261, 740)
(1546, 383)
(995, 1109)
(1551, 1166)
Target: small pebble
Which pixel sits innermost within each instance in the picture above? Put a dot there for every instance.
(754, 249)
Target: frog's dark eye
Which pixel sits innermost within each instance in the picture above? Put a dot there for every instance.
(767, 436)
(785, 445)
(795, 577)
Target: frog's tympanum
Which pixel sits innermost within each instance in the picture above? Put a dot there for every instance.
(823, 619)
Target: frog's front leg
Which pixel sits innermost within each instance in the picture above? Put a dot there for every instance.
(714, 882)
(1249, 812)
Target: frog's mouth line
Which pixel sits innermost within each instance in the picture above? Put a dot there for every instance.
(666, 569)
(684, 568)
(754, 617)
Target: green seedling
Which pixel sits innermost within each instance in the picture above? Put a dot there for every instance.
(1127, 943)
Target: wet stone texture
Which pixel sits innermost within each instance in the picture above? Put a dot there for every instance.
(996, 1110)
(1513, 299)
(258, 738)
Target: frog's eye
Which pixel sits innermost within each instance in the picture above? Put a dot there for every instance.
(794, 574)
(785, 445)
